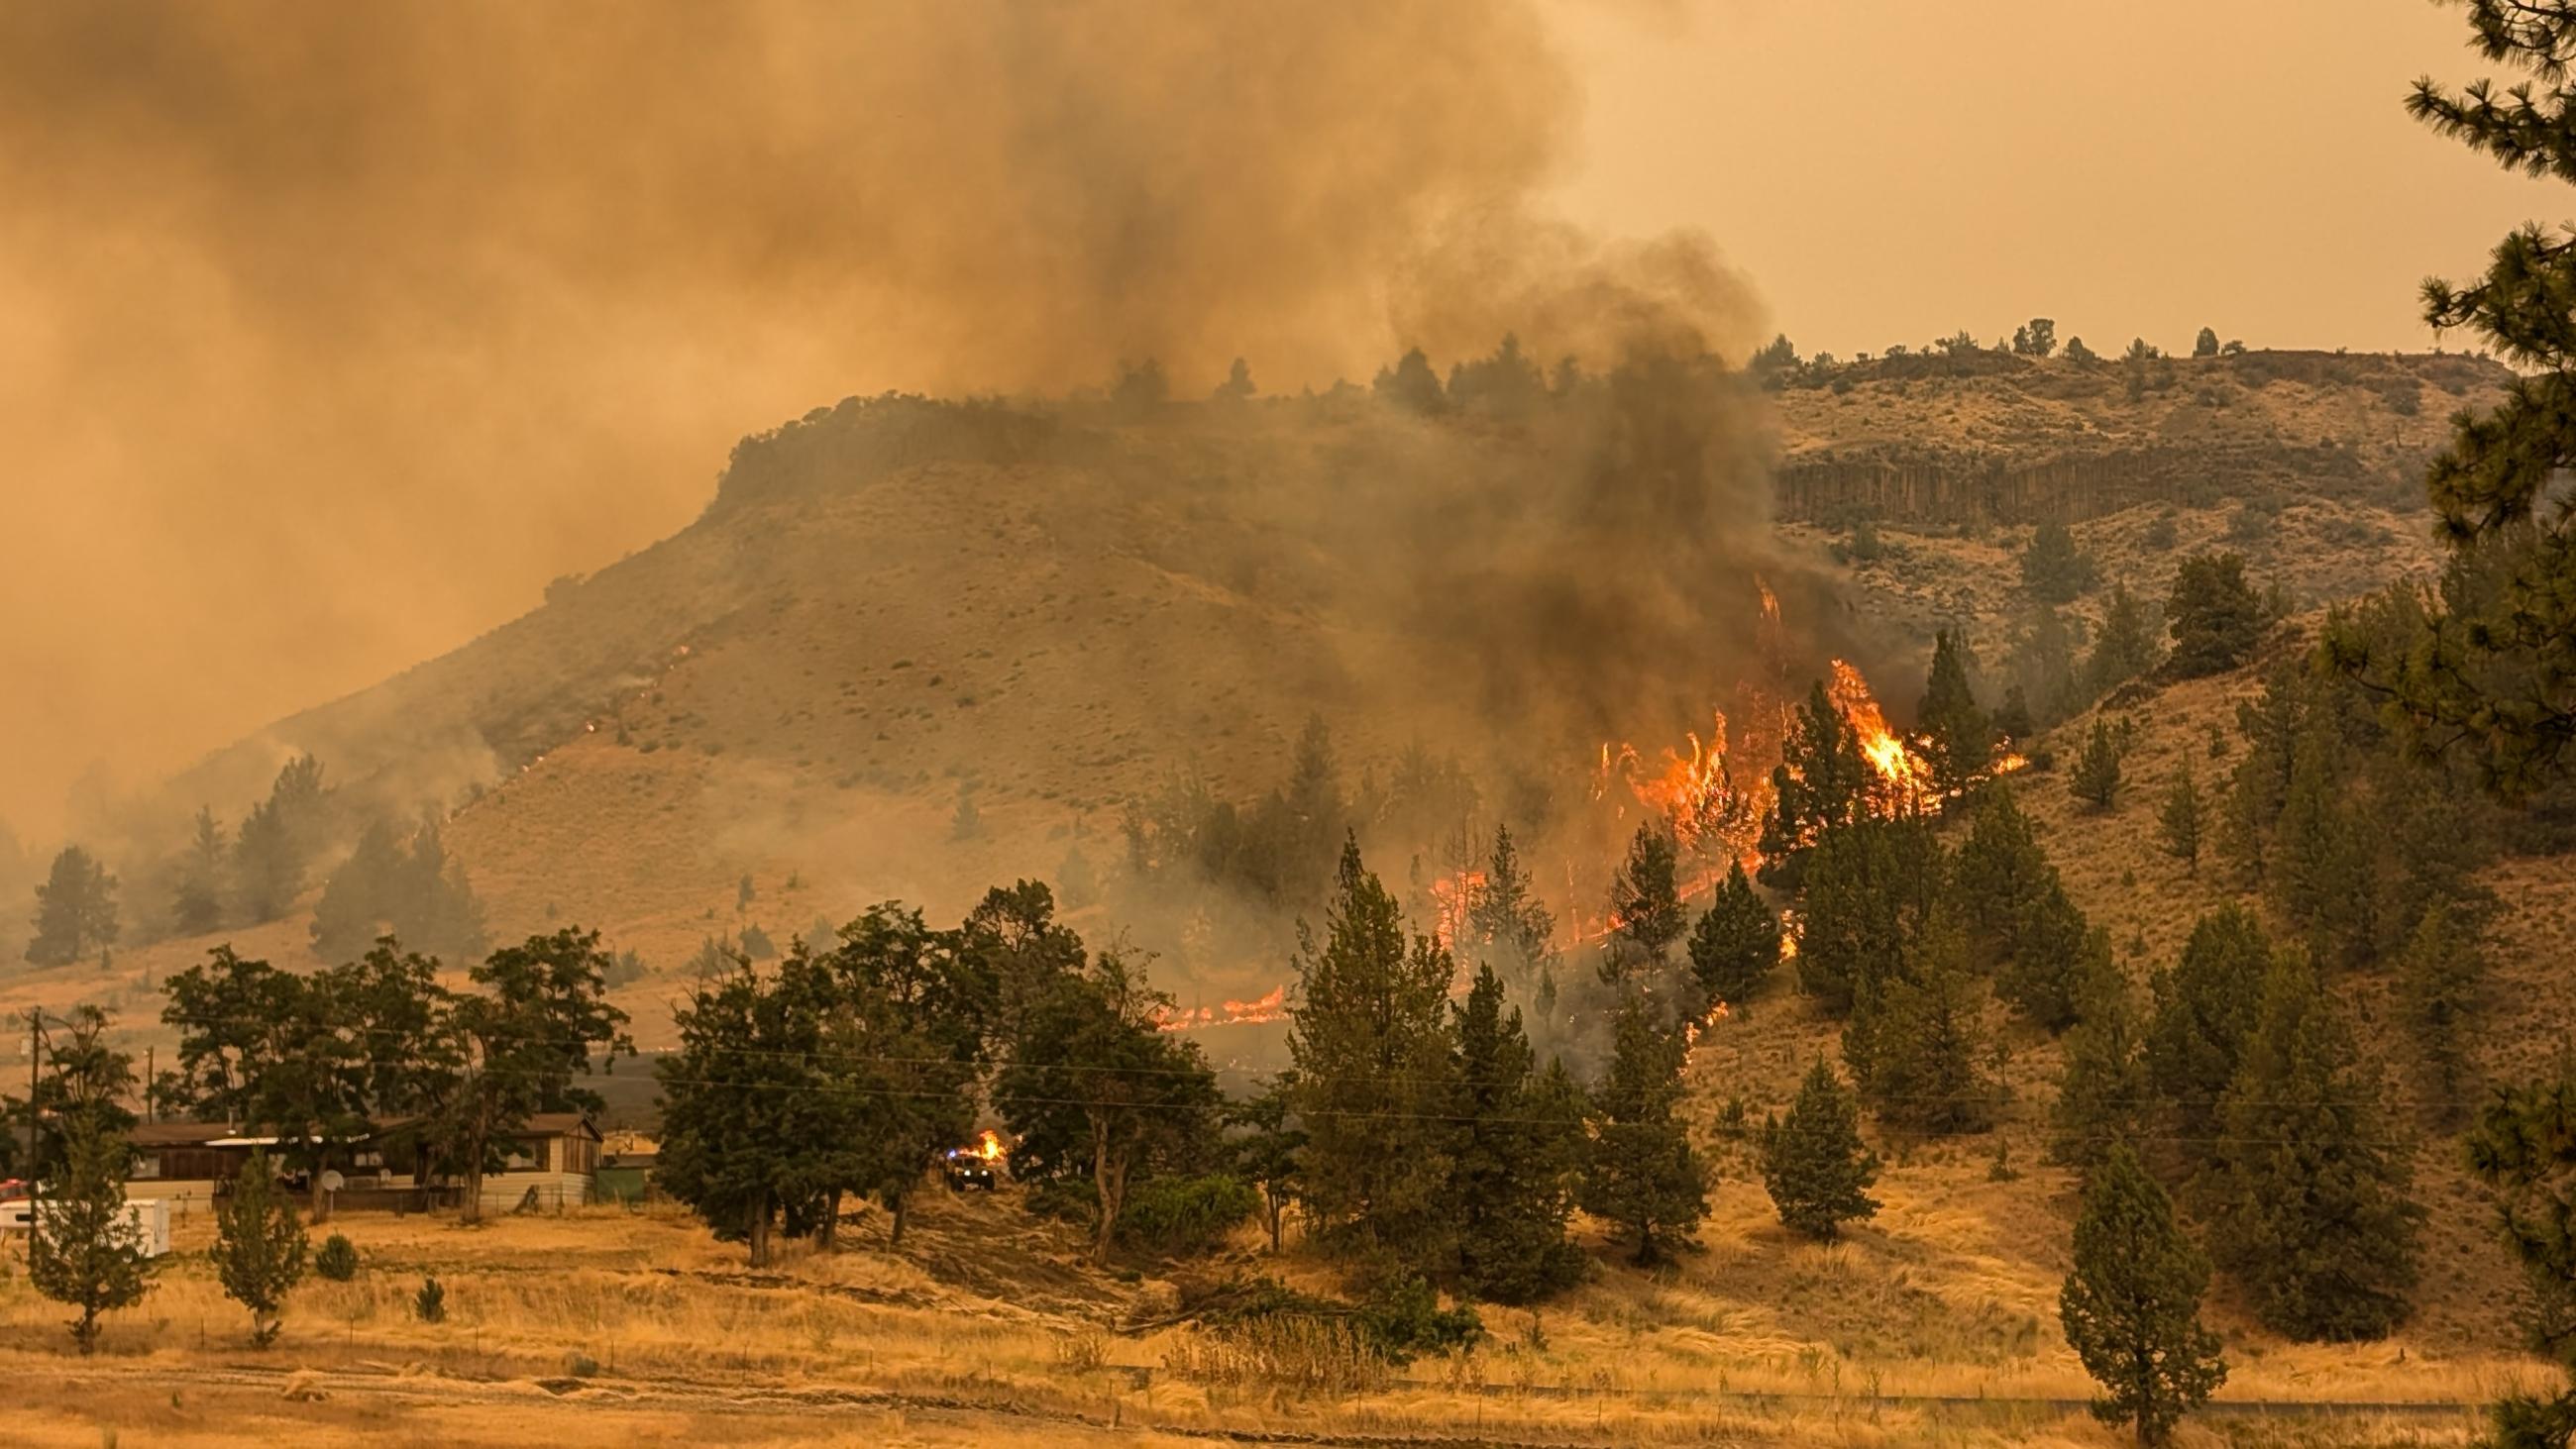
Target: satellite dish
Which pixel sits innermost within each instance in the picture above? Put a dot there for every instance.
(332, 1181)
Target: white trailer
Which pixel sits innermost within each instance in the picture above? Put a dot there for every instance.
(148, 1218)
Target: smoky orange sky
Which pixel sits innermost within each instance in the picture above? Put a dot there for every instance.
(328, 335)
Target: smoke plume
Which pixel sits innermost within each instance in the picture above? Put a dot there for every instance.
(337, 330)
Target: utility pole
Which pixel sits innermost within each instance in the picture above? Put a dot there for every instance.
(35, 1078)
(150, 1076)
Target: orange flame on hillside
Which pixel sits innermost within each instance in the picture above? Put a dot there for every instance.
(1452, 897)
(991, 1150)
(1889, 754)
(1270, 1006)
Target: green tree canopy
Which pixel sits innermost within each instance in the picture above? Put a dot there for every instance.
(2131, 1307)
(1735, 948)
(2212, 614)
(1642, 1175)
(75, 910)
(2309, 1187)
(1813, 1162)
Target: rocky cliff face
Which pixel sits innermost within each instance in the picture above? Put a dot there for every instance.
(2033, 441)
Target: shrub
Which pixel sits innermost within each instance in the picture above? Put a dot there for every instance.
(1183, 1215)
(430, 1303)
(338, 1260)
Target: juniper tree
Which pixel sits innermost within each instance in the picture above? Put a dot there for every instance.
(522, 1042)
(2103, 1091)
(2308, 1193)
(1268, 1147)
(1370, 1038)
(75, 910)
(259, 1248)
(1641, 1173)
(1090, 1038)
(86, 1082)
(1736, 945)
(2131, 1306)
(1960, 736)
(2205, 1008)
(1813, 1162)
(83, 1249)
(1514, 1153)
(2178, 824)
(2096, 780)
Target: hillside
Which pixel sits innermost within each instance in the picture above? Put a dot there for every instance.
(893, 607)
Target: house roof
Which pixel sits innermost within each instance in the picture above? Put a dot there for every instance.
(181, 1134)
(233, 1134)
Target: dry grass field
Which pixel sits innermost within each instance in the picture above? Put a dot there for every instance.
(1934, 1324)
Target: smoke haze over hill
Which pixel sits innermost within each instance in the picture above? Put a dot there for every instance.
(338, 330)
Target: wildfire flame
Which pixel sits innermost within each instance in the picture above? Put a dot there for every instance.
(1890, 754)
(1452, 897)
(991, 1150)
(1271, 1006)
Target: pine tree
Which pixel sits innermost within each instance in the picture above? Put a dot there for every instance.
(2439, 977)
(2205, 1008)
(2309, 1197)
(1821, 785)
(2317, 869)
(1736, 945)
(1869, 888)
(1506, 922)
(2524, 1151)
(1646, 915)
(2096, 780)
(2000, 870)
(358, 901)
(197, 901)
(2131, 1307)
(2212, 614)
(1813, 1162)
(278, 839)
(2042, 958)
(1641, 1173)
(2493, 672)
(2052, 568)
(2103, 1093)
(83, 1249)
(1513, 1155)
(75, 910)
(2180, 821)
(2125, 649)
(1960, 737)
(259, 1248)
(1917, 1043)
(1370, 1037)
